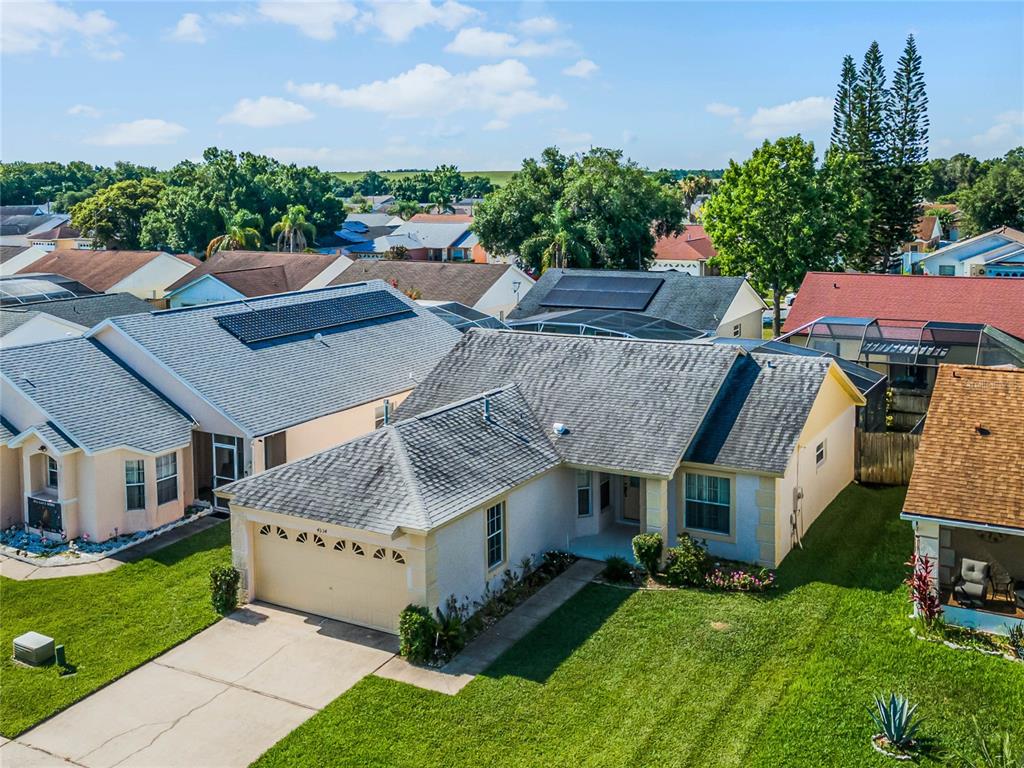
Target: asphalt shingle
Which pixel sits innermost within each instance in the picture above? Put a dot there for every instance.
(92, 399)
(268, 387)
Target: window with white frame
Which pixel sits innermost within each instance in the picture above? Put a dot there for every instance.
(820, 453)
(51, 473)
(166, 478)
(495, 534)
(708, 503)
(737, 330)
(582, 493)
(947, 270)
(135, 484)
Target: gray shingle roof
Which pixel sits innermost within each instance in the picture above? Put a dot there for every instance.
(92, 398)
(699, 302)
(433, 234)
(418, 473)
(268, 387)
(12, 319)
(87, 311)
(615, 396)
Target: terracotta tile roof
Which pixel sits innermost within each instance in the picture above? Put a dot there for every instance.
(98, 270)
(435, 280)
(445, 218)
(925, 227)
(8, 252)
(992, 300)
(295, 270)
(692, 244)
(970, 465)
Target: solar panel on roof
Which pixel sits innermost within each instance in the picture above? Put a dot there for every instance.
(603, 292)
(309, 317)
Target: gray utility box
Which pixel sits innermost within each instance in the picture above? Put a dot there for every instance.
(33, 648)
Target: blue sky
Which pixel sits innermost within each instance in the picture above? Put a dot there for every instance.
(352, 85)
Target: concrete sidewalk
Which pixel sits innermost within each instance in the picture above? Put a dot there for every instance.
(489, 645)
(19, 570)
(218, 700)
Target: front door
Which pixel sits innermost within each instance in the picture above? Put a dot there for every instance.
(227, 464)
(631, 502)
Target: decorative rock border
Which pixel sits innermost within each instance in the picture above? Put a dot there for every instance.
(958, 647)
(66, 557)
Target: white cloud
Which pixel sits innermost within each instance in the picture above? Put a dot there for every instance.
(267, 112)
(398, 20)
(582, 68)
(28, 27)
(538, 25)
(574, 141)
(139, 133)
(503, 90)
(791, 117)
(476, 41)
(395, 151)
(313, 19)
(719, 109)
(1006, 132)
(189, 29)
(83, 110)
(496, 125)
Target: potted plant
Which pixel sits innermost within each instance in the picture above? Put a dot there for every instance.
(897, 727)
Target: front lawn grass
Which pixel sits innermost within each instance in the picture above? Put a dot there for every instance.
(109, 623)
(692, 678)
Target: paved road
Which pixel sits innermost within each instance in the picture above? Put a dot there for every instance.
(218, 700)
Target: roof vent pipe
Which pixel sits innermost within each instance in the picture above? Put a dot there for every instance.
(487, 409)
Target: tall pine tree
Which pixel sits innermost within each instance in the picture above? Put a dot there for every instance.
(907, 136)
(843, 111)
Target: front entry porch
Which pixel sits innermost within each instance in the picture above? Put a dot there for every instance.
(615, 539)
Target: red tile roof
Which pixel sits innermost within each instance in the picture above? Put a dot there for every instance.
(992, 300)
(692, 244)
(98, 270)
(926, 227)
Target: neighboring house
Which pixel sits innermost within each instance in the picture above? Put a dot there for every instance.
(48, 320)
(91, 450)
(999, 253)
(273, 379)
(952, 234)
(146, 274)
(14, 258)
(377, 203)
(380, 247)
(906, 325)
(31, 209)
(516, 444)
(493, 289)
(445, 237)
(234, 275)
(358, 229)
(966, 496)
(17, 226)
(927, 234)
(723, 306)
(688, 252)
(18, 290)
(62, 237)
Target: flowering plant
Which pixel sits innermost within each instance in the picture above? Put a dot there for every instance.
(739, 580)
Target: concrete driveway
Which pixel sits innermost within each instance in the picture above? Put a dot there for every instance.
(218, 700)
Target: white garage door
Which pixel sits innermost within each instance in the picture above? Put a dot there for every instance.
(341, 579)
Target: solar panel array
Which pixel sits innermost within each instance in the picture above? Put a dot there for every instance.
(603, 292)
(257, 325)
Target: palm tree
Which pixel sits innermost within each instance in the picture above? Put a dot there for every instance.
(560, 243)
(241, 232)
(293, 230)
(406, 209)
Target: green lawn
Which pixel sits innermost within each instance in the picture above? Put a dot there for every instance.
(497, 177)
(110, 623)
(690, 678)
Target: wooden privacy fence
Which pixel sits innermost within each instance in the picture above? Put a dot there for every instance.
(885, 458)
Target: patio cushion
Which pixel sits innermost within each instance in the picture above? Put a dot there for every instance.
(975, 571)
(970, 590)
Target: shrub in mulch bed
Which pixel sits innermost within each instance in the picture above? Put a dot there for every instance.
(426, 639)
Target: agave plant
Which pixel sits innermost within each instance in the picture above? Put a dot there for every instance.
(1016, 637)
(895, 720)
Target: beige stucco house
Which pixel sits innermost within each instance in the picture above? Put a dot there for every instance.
(519, 443)
(88, 449)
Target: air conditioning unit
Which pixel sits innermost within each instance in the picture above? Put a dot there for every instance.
(33, 648)
(977, 270)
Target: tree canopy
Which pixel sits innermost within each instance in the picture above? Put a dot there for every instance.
(776, 216)
(114, 216)
(594, 209)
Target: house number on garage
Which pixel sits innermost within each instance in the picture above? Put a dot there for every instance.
(321, 530)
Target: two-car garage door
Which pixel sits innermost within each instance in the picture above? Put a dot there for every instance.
(337, 578)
